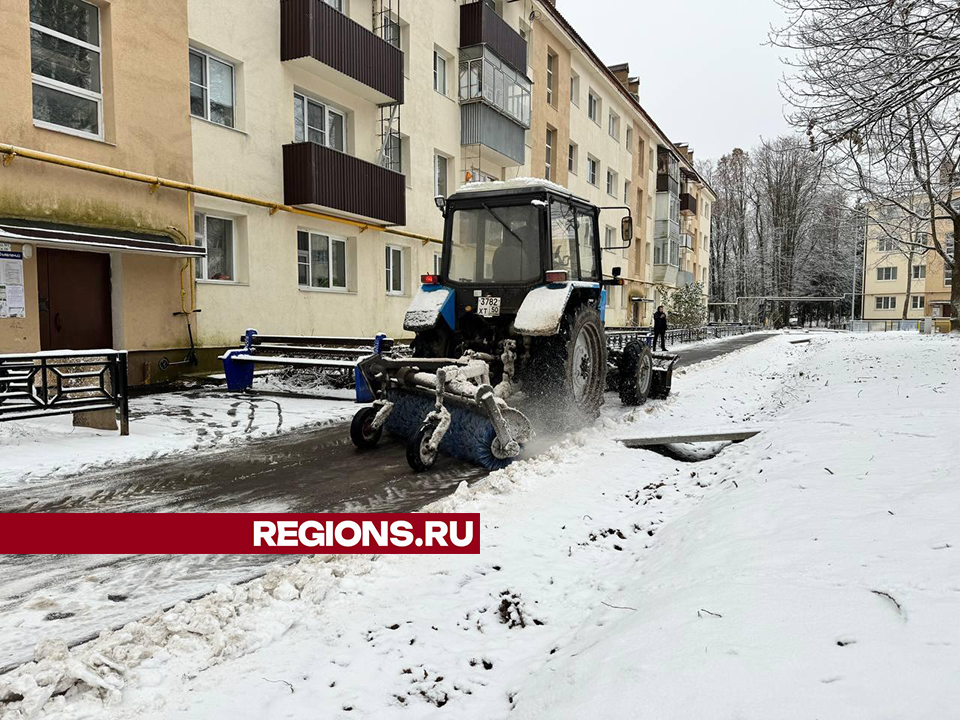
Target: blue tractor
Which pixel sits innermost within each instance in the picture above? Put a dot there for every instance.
(515, 317)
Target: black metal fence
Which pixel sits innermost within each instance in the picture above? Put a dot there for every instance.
(618, 337)
(64, 382)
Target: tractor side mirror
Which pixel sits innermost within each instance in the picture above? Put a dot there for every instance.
(616, 271)
(626, 230)
(441, 202)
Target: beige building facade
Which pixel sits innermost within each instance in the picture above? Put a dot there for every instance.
(298, 147)
(101, 257)
(899, 274)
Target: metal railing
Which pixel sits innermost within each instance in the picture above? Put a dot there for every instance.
(64, 382)
(617, 337)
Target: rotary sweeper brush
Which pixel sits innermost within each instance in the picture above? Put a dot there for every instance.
(515, 314)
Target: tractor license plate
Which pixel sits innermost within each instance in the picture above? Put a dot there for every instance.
(488, 306)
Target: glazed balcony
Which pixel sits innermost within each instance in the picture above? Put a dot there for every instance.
(314, 174)
(324, 41)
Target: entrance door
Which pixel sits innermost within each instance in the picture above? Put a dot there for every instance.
(75, 311)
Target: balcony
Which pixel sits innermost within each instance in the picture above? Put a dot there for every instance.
(688, 205)
(324, 41)
(480, 25)
(684, 278)
(317, 175)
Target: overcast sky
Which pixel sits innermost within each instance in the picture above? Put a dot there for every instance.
(706, 76)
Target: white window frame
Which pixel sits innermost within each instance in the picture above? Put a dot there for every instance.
(335, 4)
(887, 273)
(390, 269)
(627, 187)
(609, 237)
(593, 170)
(551, 77)
(202, 262)
(886, 244)
(550, 153)
(919, 272)
(442, 82)
(594, 106)
(437, 263)
(331, 239)
(437, 157)
(613, 125)
(573, 160)
(886, 302)
(613, 183)
(207, 57)
(918, 302)
(574, 88)
(328, 110)
(72, 89)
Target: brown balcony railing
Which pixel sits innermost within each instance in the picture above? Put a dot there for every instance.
(688, 204)
(312, 28)
(317, 175)
(480, 24)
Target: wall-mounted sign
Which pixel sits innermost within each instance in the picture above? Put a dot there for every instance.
(12, 298)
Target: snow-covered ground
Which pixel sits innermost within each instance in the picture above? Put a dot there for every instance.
(812, 571)
(160, 425)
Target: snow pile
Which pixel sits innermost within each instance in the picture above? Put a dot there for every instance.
(809, 572)
(43, 449)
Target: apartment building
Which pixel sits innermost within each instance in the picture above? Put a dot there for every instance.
(297, 149)
(360, 111)
(91, 261)
(898, 273)
(591, 134)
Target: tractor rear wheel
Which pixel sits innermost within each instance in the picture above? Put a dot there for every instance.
(635, 373)
(568, 373)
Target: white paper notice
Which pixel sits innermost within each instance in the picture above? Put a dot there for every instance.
(11, 272)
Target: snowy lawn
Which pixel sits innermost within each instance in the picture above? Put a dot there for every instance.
(810, 572)
(160, 425)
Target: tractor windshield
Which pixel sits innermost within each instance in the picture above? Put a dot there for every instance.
(496, 245)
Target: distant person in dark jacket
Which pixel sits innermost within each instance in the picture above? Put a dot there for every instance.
(660, 328)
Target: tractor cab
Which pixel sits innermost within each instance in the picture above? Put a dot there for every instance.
(504, 240)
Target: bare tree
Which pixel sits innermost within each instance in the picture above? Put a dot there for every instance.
(876, 83)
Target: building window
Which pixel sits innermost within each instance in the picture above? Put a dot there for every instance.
(626, 192)
(919, 272)
(917, 302)
(437, 263)
(211, 89)
(611, 182)
(337, 4)
(318, 123)
(886, 302)
(613, 126)
(440, 175)
(641, 154)
(391, 32)
(609, 237)
(321, 261)
(574, 88)
(572, 158)
(548, 158)
(629, 140)
(216, 235)
(394, 257)
(886, 245)
(484, 76)
(551, 78)
(593, 107)
(439, 73)
(593, 166)
(886, 273)
(65, 66)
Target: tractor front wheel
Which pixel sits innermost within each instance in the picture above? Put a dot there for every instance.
(568, 373)
(362, 432)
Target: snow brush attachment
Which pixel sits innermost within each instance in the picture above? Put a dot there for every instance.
(452, 409)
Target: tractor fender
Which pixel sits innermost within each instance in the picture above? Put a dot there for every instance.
(544, 307)
(431, 303)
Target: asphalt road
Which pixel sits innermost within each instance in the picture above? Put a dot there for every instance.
(73, 597)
